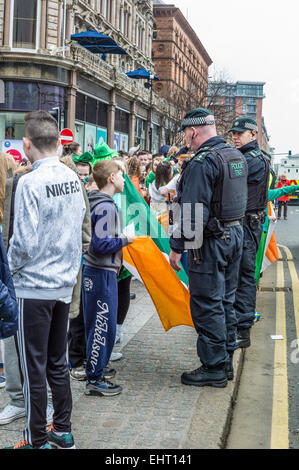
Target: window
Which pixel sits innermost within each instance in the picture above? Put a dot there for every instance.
(140, 132)
(122, 121)
(21, 96)
(140, 33)
(25, 24)
(91, 110)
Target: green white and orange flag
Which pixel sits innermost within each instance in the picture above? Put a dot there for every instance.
(271, 251)
(268, 251)
(147, 259)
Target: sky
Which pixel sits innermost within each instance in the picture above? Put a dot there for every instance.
(256, 40)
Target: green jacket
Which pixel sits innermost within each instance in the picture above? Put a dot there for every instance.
(276, 193)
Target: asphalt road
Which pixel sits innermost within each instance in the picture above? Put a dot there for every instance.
(266, 413)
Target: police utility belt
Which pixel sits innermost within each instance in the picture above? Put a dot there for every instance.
(254, 219)
(218, 229)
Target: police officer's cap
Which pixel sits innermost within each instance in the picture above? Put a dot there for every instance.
(196, 117)
(243, 124)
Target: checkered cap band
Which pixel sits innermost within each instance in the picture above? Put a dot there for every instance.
(197, 121)
(250, 126)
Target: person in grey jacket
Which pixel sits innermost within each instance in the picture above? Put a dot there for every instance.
(44, 257)
(8, 302)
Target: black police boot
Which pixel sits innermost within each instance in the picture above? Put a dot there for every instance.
(203, 376)
(229, 368)
(243, 338)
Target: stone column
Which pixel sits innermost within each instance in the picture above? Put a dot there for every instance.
(113, 12)
(69, 27)
(6, 23)
(132, 124)
(111, 119)
(71, 99)
(43, 23)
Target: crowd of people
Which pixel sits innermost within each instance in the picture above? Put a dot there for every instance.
(64, 290)
(64, 274)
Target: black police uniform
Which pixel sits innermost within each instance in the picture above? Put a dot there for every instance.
(213, 269)
(258, 181)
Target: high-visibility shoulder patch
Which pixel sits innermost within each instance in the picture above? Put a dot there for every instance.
(254, 153)
(201, 156)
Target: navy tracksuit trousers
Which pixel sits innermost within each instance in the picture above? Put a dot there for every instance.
(213, 284)
(100, 301)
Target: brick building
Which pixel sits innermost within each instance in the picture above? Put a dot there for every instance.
(42, 69)
(231, 100)
(181, 61)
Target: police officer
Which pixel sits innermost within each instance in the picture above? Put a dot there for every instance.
(214, 179)
(244, 134)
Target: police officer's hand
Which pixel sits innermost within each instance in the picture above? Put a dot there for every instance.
(174, 260)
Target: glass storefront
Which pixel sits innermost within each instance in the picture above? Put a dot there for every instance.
(31, 96)
(91, 121)
(19, 99)
(121, 134)
(140, 133)
(155, 138)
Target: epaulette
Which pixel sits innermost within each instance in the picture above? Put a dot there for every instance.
(201, 155)
(254, 153)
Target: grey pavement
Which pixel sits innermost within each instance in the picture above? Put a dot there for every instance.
(154, 411)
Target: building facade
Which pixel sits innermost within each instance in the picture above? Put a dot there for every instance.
(181, 61)
(41, 68)
(232, 100)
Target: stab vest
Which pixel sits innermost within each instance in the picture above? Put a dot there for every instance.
(258, 192)
(229, 199)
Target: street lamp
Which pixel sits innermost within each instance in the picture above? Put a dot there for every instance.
(142, 74)
(148, 85)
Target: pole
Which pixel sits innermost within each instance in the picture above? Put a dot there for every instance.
(151, 117)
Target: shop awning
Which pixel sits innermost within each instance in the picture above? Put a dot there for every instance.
(98, 43)
(142, 74)
(88, 38)
(106, 50)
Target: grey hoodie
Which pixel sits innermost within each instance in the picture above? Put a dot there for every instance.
(46, 246)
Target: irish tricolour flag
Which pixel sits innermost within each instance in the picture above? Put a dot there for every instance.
(147, 259)
(268, 251)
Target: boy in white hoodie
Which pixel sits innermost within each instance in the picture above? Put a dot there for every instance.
(44, 257)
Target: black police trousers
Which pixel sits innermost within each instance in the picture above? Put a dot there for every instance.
(246, 292)
(212, 285)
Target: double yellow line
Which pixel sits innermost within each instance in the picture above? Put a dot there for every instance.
(280, 410)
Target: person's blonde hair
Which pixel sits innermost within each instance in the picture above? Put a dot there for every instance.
(133, 167)
(172, 151)
(22, 169)
(103, 169)
(6, 162)
(67, 160)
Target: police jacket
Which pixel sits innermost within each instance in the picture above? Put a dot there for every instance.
(200, 181)
(258, 177)
(8, 303)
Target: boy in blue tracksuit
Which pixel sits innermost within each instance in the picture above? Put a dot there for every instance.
(102, 264)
